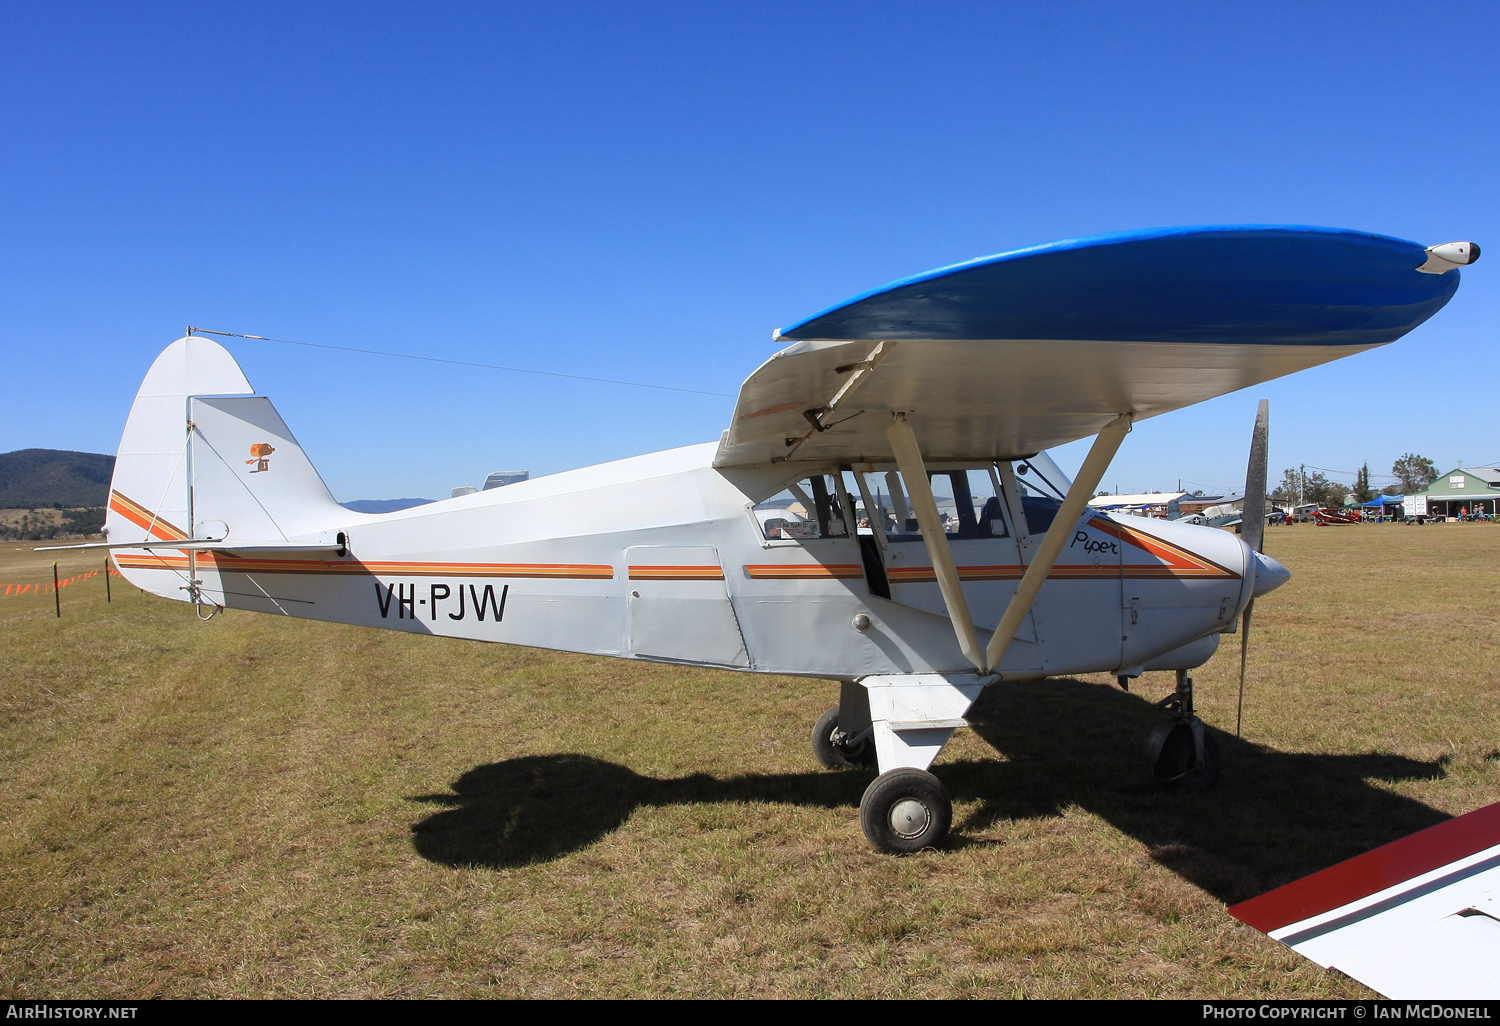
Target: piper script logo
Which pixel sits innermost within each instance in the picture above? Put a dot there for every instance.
(260, 455)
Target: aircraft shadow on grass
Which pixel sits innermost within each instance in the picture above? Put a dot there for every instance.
(1274, 817)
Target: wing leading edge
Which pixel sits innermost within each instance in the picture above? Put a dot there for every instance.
(1010, 354)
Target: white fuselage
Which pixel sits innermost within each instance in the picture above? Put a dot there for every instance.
(661, 557)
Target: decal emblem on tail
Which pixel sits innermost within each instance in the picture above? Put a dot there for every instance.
(260, 455)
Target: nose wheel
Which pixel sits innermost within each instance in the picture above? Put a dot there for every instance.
(1181, 751)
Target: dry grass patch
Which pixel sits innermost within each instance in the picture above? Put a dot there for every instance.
(257, 806)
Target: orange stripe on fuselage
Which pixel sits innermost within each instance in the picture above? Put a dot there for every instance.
(676, 573)
(802, 571)
(1180, 562)
(226, 563)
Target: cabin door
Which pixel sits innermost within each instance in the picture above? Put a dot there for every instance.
(679, 606)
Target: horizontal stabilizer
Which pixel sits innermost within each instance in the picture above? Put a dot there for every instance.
(206, 545)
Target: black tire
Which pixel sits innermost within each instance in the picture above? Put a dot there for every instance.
(839, 756)
(1177, 766)
(904, 811)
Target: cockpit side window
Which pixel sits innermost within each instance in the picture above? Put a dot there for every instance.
(969, 504)
(810, 508)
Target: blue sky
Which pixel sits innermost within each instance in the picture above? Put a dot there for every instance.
(645, 191)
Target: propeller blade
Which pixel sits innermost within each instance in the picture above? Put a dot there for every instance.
(1253, 530)
(1239, 713)
(1253, 520)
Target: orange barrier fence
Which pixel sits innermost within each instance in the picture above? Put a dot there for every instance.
(47, 587)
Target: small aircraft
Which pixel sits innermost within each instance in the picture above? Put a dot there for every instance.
(746, 553)
(1327, 516)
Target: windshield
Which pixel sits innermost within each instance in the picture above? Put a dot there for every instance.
(1041, 476)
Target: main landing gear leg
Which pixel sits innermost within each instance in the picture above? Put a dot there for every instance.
(1181, 752)
(902, 723)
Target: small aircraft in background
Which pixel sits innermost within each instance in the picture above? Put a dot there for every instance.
(748, 553)
(1329, 517)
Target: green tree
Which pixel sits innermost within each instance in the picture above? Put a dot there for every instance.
(1287, 492)
(1312, 487)
(1333, 492)
(1362, 490)
(1414, 472)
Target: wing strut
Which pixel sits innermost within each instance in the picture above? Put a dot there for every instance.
(1105, 446)
(909, 459)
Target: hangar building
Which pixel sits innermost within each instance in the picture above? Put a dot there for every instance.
(1477, 488)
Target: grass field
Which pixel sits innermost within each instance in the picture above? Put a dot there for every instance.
(266, 807)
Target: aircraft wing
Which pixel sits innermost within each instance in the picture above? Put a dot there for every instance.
(1415, 919)
(1006, 355)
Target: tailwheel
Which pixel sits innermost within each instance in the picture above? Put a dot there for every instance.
(833, 748)
(905, 810)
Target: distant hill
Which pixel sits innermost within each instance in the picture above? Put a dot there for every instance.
(383, 505)
(55, 478)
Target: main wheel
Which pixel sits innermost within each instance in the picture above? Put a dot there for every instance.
(830, 748)
(904, 811)
(1177, 765)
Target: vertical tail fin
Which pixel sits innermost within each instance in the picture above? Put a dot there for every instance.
(148, 495)
(203, 457)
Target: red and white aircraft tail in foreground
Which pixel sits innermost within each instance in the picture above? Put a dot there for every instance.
(1416, 919)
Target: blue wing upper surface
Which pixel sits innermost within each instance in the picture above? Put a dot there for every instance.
(1014, 353)
(1245, 284)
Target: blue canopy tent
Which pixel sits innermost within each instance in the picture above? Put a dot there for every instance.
(1381, 505)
